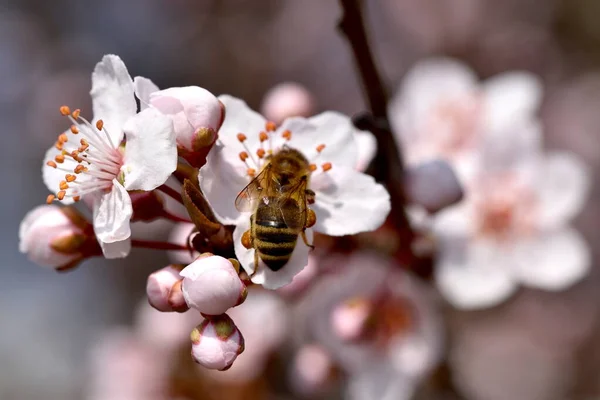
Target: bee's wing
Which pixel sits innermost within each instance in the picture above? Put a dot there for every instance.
(293, 205)
(249, 197)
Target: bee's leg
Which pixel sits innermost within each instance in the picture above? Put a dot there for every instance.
(305, 239)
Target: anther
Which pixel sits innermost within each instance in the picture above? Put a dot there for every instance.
(63, 185)
(70, 177)
(79, 169)
(74, 130)
(260, 153)
(320, 148)
(62, 138)
(76, 198)
(312, 167)
(59, 158)
(61, 195)
(287, 135)
(59, 145)
(326, 166)
(65, 110)
(51, 164)
(99, 124)
(50, 198)
(241, 137)
(76, 113)
(243, 156)
(270, 126)
(263, 137)
(251, 172)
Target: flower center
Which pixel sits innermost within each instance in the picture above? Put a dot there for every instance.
(256, 159)
(90, 164)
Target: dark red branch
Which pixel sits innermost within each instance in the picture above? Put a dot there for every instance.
(169, 191)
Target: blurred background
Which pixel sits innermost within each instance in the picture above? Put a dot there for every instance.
(50, 322)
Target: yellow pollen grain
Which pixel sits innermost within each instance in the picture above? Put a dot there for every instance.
(50, 198)
(65, 110)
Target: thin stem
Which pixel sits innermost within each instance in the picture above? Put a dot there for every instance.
(149, 244)
(172, 217)
(388, 166)
(172, 193)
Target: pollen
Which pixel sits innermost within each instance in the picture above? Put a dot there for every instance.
(50, 198)
(320, 148)
(99, 124)
(59, 145)
(263, 137)
(76, 113)
(251, 172)
(51, 164)
(74, 130)
(70, 177)
(270, 126)
(63, 185)
(243, 156)
(76, 198)
(60, 158)
(326, 166)
(62, 138)
(312, 167)
(241, 137)
(287, 135)
(79, 169)
(260, 153)
(65, 110)
(61, 195)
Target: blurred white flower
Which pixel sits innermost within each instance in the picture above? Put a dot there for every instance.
(513, 228)
(212, 286)
(89, 159)
(442, 111)
(216, 343)
(346, 201)
(286, 100)
(159, 285)
(312, 367)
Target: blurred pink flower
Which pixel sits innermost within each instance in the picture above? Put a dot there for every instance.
(286, 100)
(312, 367)
(216, 343)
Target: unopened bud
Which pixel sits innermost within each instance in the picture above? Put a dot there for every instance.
(433, 185)
(216, 343)
(159, 285)
(211, 285)
(176, 299)
(287, 100)
(52, 238)
(349, 319)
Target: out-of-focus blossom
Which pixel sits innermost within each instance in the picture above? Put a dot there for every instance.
(181, 235)
(312, 368)
(513, 228)
(54, 237)
(216, 343)
(346, 201)
(442, 111)
(212, 286)
(89, 160)
(159, 285)
(349, 319)
(263, 320)
(286, 100)
(432, 185)
(196, 114)
(301, 281)
(401, 338)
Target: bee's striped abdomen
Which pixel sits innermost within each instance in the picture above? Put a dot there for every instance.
(273, 240)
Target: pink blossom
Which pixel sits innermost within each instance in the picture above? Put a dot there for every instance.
(287, 100)
(211, 285)
(350, 317)
(216, 343)
(312, 368)
(159, 285)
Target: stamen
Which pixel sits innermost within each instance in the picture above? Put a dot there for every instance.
(270, 126)
(74, 130)
(76, 113)
(61, 195)
(243, 156)
(312, 167)
(251, 172)
(65, 110)
(260, 153)
(326, 166)
(79, 169)
(99, 124)
(51, 164)
(263, 137)
(63, 185)
(76, 198)
(60, 158)
(320, 148)
(241, 137)
(59, 145)
(50, 198)
(287, 135)
(70, 178)
(62, 138)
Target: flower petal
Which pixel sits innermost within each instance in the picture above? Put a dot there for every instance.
(473, 274)
(239, 118)
(348, 202)
(150, 152)
(554, 260)
(112, 95)
(144, 87)
(264, 276)
(333, 129)
(112, 212)
(367, 149)
(562, 189)
(511, 96)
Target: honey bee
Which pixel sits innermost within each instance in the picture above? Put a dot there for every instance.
(278, 198)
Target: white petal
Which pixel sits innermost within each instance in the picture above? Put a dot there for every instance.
(423, 87)
(239, 118)
(562, 188)
(112, 95)
(333, 129)
(456, 220)
(112, 212)
(265, 277)
(221, 179)
(367, 149)
(474, 274)
(144, 87)
(150, 152)
(380, 381)
(511, 96)
(348, 202)
(554, 260)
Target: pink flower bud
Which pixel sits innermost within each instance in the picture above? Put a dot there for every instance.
(159, 285)
(211, 285)
(348, 319)
(196, 115)
(312, 369)
(287, 100)
(52, 236)
(216, 343)
(176, 298)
